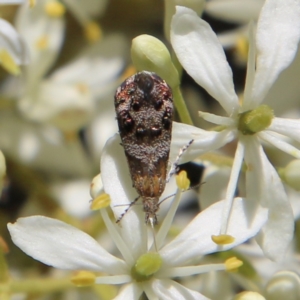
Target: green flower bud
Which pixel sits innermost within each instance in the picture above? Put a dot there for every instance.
(150, 54)
(291, 174)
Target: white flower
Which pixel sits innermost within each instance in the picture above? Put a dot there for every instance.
(73, 196)
(13, 51)
(201, 54)
(68, 97)
(63, 246)
(44, 35)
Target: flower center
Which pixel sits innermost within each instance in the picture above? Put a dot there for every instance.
(256, 120)
(147, 265)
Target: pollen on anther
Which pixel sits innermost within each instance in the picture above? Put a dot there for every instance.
(232, 264)
(222, 239)
(182, 181)
(55, 9)
(100, 202)
(92, 32)
(83, 278)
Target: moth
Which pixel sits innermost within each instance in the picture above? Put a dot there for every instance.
(144, 110)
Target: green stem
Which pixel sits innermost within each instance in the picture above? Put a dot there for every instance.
(182, 110)
(4, 276)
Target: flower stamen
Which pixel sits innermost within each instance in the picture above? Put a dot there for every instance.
(92, 32)
(182, 181)
(100, 202)
(55, 9)
(232, 264)
(83, 278)
(222, 239)
(8, 63)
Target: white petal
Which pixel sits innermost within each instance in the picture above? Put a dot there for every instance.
(34, 24)
(215, 119)
(202, 56)
(8, 2)
(64, 105)
(196, 5)
(237, 11)
(278, 32)
(96, 187)
(13, 43)
(251, 65)
(264, 185)
(52, 154)
(287, 127)
(204, 141)
(216, 179)
(195, 240)
(277, 141)
(105, 123)
(169, 289)
(232, 185)
(117, 183)
(98, 66)
(73, 196)
(129, 291)
(62, 246)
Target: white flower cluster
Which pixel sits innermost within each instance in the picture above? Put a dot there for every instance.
(252, 201)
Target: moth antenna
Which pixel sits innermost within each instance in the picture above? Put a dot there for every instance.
(190, 188)
(174, 167)
(160, 202)
(126, 210)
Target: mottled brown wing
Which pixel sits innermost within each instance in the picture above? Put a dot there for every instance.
(144, 109)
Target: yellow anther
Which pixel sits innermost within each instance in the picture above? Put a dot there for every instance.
(222, 239)
(32, 3)
(8, 63)
(82, 88)
(42, 43)
(242, 47)
(232, 264)
(182, 181)
(55, 9)
(92, 32)
(83, 278)
(100, 202)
